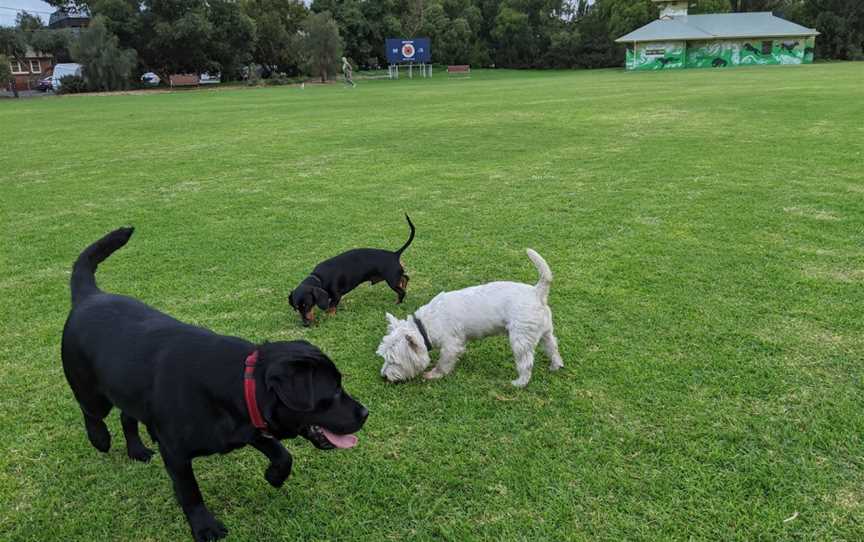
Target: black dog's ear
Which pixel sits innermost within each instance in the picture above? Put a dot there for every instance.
(293, 384)
(291, 299)
(321, 298)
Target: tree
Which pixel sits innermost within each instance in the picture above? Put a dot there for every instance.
(124, 19)
(179, 37)
(12, 47)
(322, 45)
(233, 37)
(277, 30)
(106, 65)
(28, 22)
(5, 74)
(515, 44)
(57, 43)
(564, 48)
(755, 5)
(364, 26)
(841, 23)
(709, 6)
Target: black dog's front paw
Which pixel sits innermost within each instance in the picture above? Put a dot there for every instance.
(277, 474)
(206, 528)
(140, 453)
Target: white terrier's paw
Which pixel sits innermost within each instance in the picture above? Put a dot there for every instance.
(519, 383)
(434, 374)
(555, 365)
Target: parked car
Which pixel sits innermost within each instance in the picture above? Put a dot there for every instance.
(150, 79)
(61, 71)
(209, 79)
(45, 84)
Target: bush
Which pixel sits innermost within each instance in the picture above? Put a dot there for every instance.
(72, 84)
(281, 79)
(106, 65)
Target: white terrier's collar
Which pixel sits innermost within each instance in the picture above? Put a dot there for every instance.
(422, 329)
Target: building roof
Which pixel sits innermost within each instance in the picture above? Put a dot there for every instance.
(717, 26)
(69, 17)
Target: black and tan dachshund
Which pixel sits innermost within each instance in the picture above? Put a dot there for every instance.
(332, 279)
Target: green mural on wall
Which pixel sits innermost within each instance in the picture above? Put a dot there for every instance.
(656, 56)
(711, 54)
(809, 49)
(776, 51)
(720, 53)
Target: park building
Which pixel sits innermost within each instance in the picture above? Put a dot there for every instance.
(678, 40)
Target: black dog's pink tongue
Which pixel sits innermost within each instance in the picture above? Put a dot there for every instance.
(340, 441)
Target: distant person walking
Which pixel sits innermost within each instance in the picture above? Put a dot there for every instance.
(347, 71)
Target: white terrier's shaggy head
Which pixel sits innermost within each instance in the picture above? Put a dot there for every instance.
(403, 349)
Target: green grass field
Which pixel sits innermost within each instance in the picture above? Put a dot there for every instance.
(705, 228)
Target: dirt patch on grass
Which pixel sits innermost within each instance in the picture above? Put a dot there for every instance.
(848, 499)
(815, 214)
(835, 275)
(787, 330)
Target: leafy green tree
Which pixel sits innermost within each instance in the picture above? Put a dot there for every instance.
(106, 65)
(12, 47)
(709, 6)
(563, 49)
(596, 48)
(12, 43)
(514, 39)
(322, 45)
(124, 19)
(364, 26)
(5, 74)
(28, 22)
(624, 16)
(56, 43)
(33, 33)
(179, 37)
(233, 38)
(755, 5)
(277, 25)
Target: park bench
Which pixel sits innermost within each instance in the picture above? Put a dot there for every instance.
(459, 69)
(183, 80)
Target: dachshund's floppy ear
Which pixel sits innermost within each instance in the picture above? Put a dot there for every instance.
(291, 299)
(292, 383)
(321, 298)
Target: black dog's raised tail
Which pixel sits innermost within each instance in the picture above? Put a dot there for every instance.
(410, 237)
(83, 282)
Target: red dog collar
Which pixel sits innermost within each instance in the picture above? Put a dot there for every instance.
(249, 392)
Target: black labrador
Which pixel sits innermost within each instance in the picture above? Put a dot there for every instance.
(196, 392)
(333, 278)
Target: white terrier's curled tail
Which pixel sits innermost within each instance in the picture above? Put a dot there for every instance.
(542, 287)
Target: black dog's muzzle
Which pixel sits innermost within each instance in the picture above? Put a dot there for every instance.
(314, 435)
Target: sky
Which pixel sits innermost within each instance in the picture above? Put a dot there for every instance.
(9, 9)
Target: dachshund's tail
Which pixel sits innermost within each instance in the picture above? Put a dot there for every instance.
(410, 237)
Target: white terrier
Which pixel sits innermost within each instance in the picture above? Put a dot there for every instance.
(451, 319)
